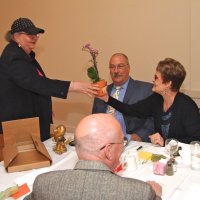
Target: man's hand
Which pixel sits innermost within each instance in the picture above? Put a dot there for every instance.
(135, 137)
(156, 187)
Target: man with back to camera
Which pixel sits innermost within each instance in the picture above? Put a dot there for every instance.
(99, 143)
(131, 91)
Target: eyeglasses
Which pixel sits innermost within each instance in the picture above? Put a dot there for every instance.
(124, 142)
(30, 35)
(119, 66)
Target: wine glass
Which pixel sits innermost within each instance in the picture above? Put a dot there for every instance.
(171, 146)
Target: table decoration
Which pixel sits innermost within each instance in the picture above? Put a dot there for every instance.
(59, 138)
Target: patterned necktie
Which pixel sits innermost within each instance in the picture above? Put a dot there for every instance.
(115, 95)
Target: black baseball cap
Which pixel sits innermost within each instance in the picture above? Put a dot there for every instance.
(25, 25)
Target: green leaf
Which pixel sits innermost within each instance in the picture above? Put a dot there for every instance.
(92, 74)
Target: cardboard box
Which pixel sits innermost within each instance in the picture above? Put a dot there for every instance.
(23, 149)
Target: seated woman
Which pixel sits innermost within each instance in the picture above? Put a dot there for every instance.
(175, 114)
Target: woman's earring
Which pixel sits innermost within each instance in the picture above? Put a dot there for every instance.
(19, 45)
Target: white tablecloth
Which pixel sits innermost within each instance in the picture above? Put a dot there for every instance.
(183, 185)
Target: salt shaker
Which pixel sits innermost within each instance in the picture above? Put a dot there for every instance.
(169, 168)
(174, 164)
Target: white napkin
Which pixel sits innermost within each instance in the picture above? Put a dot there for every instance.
(185, 153)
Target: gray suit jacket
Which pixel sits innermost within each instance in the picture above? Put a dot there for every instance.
(89, 180)
(136, 91)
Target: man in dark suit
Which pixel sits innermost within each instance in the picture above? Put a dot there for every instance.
(131, 91)
(99, 143)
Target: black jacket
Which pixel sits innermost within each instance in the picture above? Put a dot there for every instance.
(185, 120)
(23, 92)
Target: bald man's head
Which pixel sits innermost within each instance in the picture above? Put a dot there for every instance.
(96, 131)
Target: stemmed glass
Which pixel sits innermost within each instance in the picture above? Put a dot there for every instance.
(171, 146)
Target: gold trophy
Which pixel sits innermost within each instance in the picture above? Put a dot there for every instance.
(59, 138)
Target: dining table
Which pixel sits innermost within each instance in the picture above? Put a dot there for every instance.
(184, 184)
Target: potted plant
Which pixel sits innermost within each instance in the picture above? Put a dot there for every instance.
(92, 71)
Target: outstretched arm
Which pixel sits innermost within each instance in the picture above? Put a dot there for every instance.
(83, 87)
(141, 109)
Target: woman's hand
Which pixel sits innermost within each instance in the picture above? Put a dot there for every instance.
(84, 87)
(157, 139)
(105, 96)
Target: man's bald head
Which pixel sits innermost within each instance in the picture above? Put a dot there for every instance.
(94, 132)
(98, 129)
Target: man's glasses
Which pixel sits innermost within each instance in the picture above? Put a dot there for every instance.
(124, 142)
(119, 66)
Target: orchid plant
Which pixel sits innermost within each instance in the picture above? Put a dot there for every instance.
(92, 71)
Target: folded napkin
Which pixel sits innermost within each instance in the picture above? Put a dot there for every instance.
(144, 155)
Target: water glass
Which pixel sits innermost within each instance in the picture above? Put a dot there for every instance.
(195, 155)
(131, 161)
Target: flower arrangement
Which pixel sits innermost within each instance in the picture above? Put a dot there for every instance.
(92, 71)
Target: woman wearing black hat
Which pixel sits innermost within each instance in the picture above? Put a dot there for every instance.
(25, 91)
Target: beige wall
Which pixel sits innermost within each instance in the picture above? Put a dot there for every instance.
(146, 30)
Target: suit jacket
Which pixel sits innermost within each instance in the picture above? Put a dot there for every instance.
(136, 91)
(23, 92)
(89, 180)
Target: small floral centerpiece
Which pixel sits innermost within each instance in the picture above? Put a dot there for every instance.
(92, 71)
